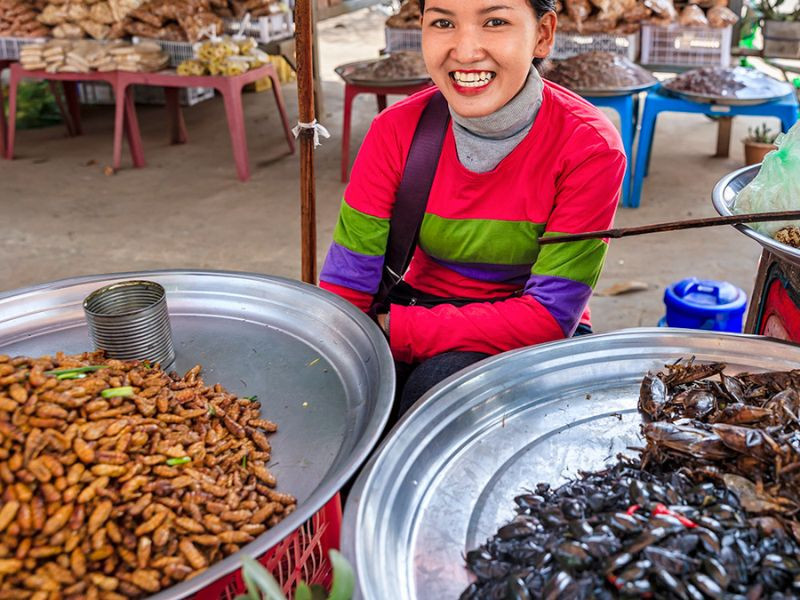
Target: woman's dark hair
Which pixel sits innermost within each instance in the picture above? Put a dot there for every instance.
(540, 7)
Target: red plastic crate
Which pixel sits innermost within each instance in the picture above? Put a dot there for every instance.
(302, 556)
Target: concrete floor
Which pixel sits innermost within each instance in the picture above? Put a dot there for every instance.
(61, 216)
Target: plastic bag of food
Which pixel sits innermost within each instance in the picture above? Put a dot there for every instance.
(613, 10)
(721, 16)
(777, 185)
(693, 16)
(638, 13)
(662, 9)
(578, 10)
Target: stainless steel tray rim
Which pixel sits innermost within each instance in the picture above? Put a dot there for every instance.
(612, 92)
(379, 470)
(72, 312)
(341, 71)
(723, 197)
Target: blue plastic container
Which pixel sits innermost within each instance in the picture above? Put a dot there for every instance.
(703, 304)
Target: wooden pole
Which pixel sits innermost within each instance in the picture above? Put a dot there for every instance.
(303, 26)
(788, 215)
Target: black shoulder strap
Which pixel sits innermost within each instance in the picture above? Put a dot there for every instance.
(412, 194)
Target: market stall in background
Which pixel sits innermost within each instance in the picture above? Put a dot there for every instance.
(86, 45)
(596, 45)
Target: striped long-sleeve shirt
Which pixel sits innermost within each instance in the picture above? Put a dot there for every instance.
(480, 230)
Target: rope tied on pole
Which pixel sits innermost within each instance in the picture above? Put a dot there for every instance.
(306, 128)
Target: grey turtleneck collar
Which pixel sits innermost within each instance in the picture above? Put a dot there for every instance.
(482, 142)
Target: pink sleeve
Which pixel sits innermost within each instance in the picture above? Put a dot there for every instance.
(419, 333)
(361, 299)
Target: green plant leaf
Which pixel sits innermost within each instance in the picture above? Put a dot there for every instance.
(263, 579)
(252, 588)
(344, 579)
(125, 391)
(303, 592)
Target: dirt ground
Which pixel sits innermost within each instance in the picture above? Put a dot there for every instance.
(62, 216)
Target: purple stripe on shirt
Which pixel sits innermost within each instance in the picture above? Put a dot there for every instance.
(349, 269)
(565, 299)
(511, 274)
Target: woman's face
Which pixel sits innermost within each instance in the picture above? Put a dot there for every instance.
(479, 52)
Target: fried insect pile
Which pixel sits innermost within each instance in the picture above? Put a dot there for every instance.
(118, 480)
(708, 510)
(743, 430)
(626, 533)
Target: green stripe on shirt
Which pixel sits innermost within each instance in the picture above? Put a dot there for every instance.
(480, 240)
(361, 232)
(579, 261)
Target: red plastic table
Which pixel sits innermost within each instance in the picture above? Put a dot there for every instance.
(231, 90)
(351, 90)
(71, 112)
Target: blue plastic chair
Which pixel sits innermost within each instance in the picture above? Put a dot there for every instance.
(626, 106)
(656, 101)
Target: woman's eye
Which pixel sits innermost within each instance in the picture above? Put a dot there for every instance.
(496, 22)
(442, 24)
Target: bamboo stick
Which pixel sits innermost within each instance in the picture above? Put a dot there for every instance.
(305, 104)
(788, 215)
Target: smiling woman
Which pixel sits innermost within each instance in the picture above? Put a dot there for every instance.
(497, 157)
(479, 56)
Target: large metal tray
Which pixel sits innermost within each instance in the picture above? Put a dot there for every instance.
(621, 91)
(321, 368)
(445, 478)
(760, 88)
(724, 197)
(348, 73)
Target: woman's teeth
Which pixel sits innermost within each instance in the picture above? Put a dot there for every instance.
(474, 79)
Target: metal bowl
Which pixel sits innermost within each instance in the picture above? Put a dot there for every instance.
(732, 101)
(349, 71)
(321, 368)
(622, 91)
(759, 89)
(724, 196)
(445, 478)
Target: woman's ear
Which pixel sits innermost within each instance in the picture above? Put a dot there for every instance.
(546, 31)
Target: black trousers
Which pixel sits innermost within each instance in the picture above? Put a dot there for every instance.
(414, 380)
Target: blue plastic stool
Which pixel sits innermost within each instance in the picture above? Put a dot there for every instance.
(656, 102)
(626, 106)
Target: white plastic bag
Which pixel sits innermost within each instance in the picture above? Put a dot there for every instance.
(777, 185)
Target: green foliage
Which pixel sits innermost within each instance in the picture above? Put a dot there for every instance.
(761, 134)
(772, 10)
(261, 585)
(344, 579)
(36, 106)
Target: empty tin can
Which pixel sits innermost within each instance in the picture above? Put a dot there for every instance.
(130, 321)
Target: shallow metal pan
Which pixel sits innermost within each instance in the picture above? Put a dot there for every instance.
(320, 367)
(445, 478)
(347, 71)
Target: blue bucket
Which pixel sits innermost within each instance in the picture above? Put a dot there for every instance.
(704, 304)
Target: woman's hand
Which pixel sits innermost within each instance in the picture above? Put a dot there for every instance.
(383, 322)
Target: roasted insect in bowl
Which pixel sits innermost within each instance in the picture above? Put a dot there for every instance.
(598, 71)
(119, 480)
(708, 509)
